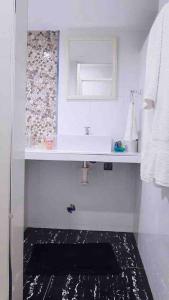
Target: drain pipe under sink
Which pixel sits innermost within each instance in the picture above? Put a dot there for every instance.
(85, 171)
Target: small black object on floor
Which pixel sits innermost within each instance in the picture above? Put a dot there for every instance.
(75, 259)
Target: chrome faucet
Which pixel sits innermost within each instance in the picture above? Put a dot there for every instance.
(87, 130)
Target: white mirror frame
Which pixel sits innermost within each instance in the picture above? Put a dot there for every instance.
(112, 39)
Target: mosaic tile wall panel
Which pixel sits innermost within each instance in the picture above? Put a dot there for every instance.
(41, 85)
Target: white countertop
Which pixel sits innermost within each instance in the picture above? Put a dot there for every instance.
(54, 155)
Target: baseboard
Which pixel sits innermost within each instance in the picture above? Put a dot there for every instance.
(85, 220)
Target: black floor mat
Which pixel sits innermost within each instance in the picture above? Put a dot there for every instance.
(62, 259)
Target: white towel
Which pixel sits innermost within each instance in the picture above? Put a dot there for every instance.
(131, 133)
(155, 150)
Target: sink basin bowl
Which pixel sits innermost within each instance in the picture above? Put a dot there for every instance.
(84, 144)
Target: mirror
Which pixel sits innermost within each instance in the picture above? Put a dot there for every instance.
(92, 68)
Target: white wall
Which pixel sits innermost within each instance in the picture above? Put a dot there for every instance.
(12, 108)
(97, 13)
(104, 117)
(153, 239)
(107, 203)
(162, 2)
(18, 145)
(6, 37)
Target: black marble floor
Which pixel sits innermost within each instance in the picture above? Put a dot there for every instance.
(131, 284)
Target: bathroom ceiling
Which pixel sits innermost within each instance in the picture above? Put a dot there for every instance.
(58, 14)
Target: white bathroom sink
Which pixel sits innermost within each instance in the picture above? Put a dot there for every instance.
(84, 144)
